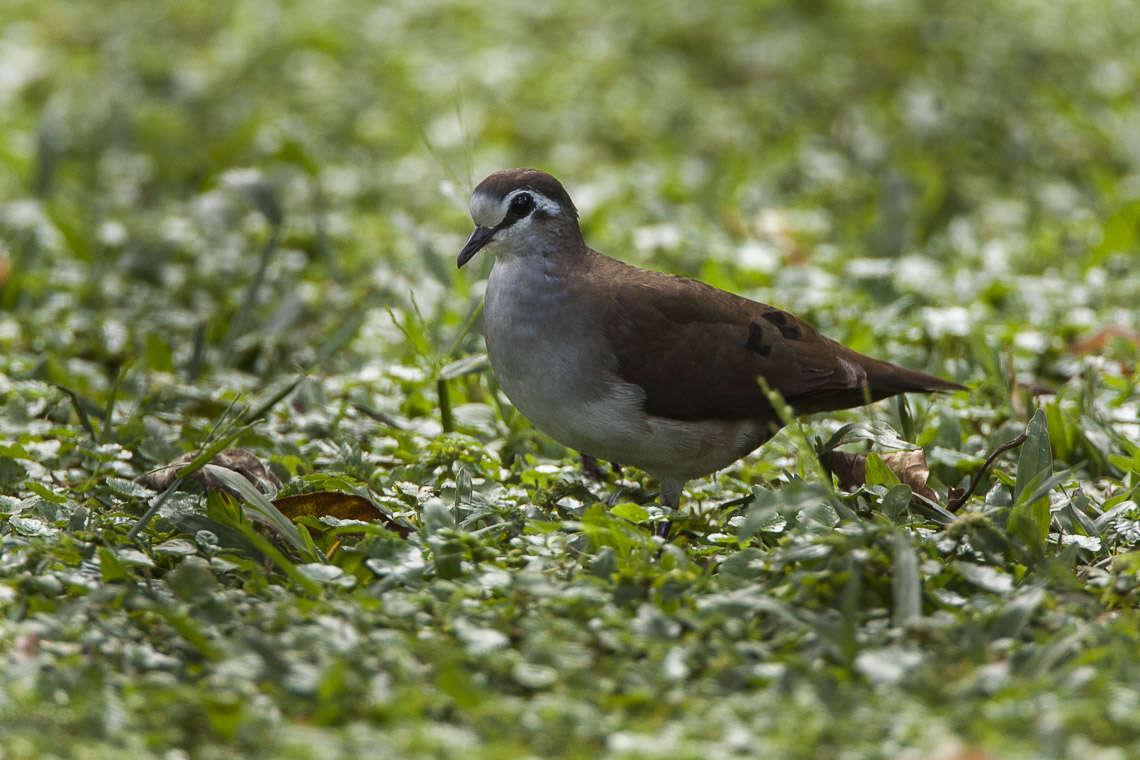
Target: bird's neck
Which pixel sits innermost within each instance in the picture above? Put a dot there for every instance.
(542, 259)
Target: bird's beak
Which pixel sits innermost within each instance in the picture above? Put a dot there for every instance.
(479, 238)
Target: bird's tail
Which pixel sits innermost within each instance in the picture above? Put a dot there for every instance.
(885, 379)
(871, 380)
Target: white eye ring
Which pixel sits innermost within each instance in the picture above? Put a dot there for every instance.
(488, 212)
(541, 202)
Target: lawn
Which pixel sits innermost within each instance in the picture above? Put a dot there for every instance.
(234, 226)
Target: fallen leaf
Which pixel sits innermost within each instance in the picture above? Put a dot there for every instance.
(849, 469)
(1097, 342)
(909, 466)
(240, 461)
(343, 506)
(1101, 342)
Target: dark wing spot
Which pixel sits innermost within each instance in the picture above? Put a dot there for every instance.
(756, 339)
(776, 317)
(780, 319)
(791, 332)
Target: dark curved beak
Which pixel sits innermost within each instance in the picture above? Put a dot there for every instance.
(479, 238)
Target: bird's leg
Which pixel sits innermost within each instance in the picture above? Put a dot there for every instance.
(671, 498)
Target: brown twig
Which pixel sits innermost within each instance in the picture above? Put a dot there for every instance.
(955, 502)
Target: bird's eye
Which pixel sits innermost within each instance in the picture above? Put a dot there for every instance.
(522, 204)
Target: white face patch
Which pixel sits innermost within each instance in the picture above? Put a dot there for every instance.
(486, 211)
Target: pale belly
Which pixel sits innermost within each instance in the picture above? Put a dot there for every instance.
(552, 364)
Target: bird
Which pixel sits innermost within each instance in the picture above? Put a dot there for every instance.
(641, 367)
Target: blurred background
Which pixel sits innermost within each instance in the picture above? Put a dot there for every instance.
(205, 205)
(222, 194)
(962, 169)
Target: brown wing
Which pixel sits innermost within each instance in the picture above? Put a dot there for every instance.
(697, 351)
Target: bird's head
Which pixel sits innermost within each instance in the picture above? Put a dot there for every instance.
(521, 212)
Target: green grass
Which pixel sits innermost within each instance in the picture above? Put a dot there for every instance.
(239, 221)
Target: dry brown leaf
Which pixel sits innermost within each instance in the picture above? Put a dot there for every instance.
(910, 467)
(849, 469)
(343, 506)
(240, 461)
(1097, 342)
(1100, 341)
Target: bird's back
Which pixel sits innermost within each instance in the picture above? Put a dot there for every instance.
(698, 351)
